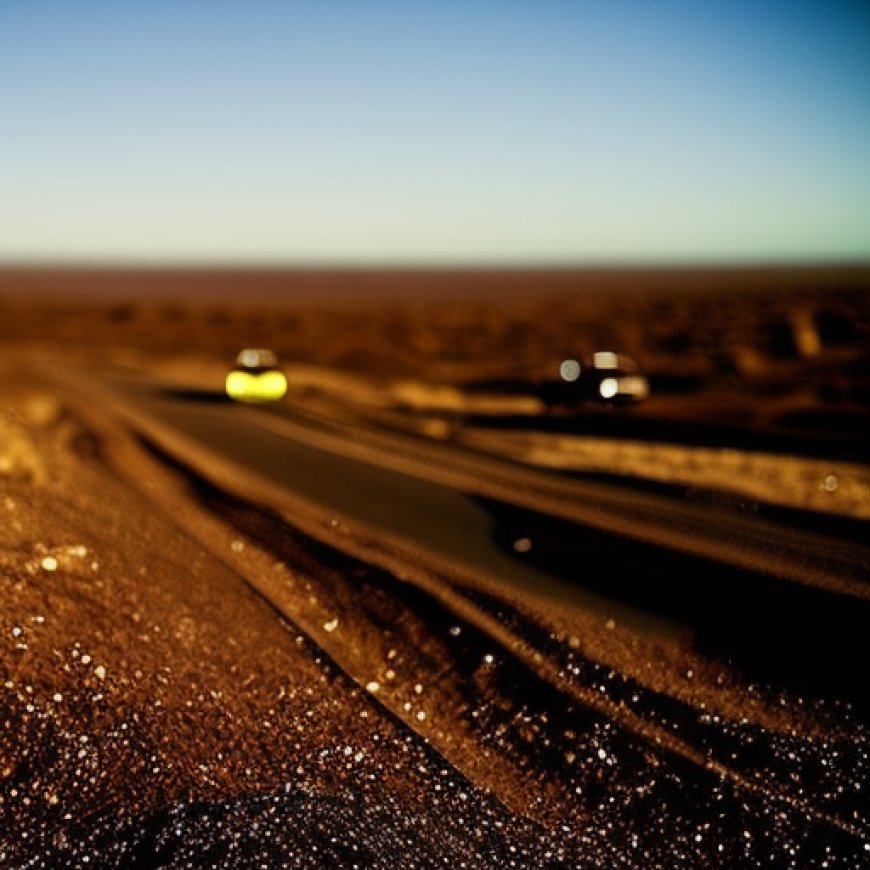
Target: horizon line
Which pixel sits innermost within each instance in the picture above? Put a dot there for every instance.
(433, 266)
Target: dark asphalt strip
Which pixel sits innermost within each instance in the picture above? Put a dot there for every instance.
(776, 631)
(443, 520)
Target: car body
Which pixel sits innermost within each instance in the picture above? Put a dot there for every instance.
(256, 377)
(608, 377)
(616, 377)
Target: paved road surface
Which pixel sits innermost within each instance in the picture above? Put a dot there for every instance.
(734, 609)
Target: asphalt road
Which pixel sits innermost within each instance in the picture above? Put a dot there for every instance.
(443, 519)
(777, 630)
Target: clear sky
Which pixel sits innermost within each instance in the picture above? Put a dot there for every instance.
(410, 131)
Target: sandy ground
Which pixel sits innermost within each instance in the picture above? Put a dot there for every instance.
(189, 677)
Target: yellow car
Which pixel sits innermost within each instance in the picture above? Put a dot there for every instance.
(256, 377)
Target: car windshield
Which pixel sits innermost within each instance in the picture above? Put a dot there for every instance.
(254, 358)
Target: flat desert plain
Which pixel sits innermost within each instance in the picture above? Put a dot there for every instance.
(437, 606)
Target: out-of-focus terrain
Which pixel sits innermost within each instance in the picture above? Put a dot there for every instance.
(766, 361)
(777, 349)
(193, 675)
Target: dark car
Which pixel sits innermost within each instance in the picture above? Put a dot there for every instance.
(616, 377)
(609, 377)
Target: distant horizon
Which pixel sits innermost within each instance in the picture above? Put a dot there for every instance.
(181, 265)
(241, 285)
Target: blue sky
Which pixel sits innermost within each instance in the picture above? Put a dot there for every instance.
(421, 132)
